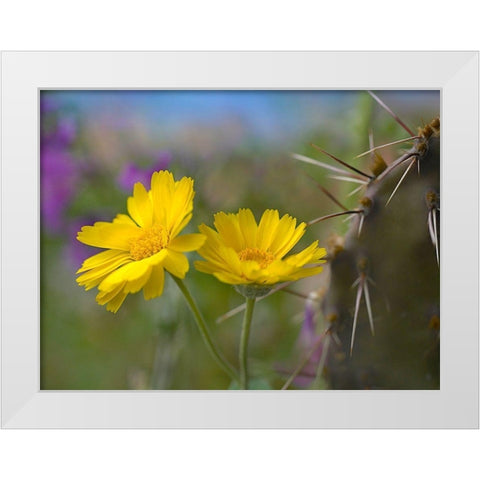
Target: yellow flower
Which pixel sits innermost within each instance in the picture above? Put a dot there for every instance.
(142, 244)
(241, 252)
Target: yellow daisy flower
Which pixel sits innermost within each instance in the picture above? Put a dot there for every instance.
(141, 245)
(241, 252)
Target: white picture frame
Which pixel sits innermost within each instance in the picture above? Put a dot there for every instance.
(24, 405)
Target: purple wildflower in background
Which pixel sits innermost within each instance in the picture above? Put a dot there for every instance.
(66, 130)
(58, 168)
(131, 173)
(63, 133)
(58, 177)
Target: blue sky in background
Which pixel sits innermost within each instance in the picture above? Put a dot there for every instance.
(270, 113)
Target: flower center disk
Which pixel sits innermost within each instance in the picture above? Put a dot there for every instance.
(149, 243)
(262, 257)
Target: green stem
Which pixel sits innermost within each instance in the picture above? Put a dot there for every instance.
(247, 320)
(202, 326)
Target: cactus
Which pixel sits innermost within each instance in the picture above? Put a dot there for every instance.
(381, 308)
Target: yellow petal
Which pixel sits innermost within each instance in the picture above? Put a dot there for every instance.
(220, 259)
(229, 278)
(318, 254)
(187, 243)
(116, 236)
(267, 228)
(104, 297)
(113, 298)
(211, 266)
(266, 276)
(229, 230)
(212, 255)
(248, 227)
(279, 268)
(230, 259)
(308, 255)
(305, 272)
(213, 239)
(182, 203)
(122, 218)
(292, 241)
(154, 287)
(250, 270)
(158, 258)
(162, 189)
(127, 273)
(94, 276)
(180, 226)
(136, 284)
(100, 259)
(205, 267)
(176, 263)
(133, 211)
(116, 302)
(89, 284)
(140, 206)
(285, 238)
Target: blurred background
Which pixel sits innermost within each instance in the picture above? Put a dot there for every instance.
(237, 147)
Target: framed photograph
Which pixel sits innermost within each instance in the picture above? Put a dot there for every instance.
(240, 240)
